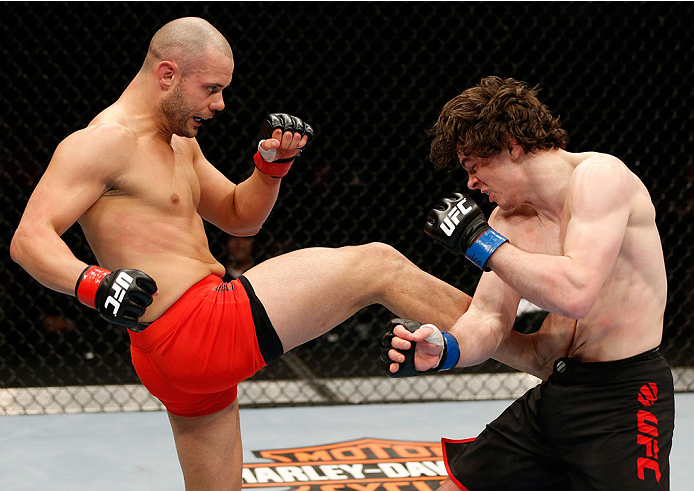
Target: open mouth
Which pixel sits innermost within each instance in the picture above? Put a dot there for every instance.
(200, 120)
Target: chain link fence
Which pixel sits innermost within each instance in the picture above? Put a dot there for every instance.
(370, 77)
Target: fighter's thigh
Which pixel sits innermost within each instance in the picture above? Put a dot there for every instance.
(496, 462)
(209, 449)
(625, 460)
(309, 291)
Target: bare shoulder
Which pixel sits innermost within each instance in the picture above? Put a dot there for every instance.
(597, 158)
(600, 173)
(99, 151)
(107, 136)
(600, 169)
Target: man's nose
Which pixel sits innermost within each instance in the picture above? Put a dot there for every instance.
(472, 182)
(218, 103)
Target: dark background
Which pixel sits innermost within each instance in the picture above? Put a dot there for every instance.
(370, 78)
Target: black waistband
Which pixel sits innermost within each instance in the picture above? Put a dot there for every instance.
(570, 369)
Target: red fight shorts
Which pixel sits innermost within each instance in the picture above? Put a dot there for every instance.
(213, 337)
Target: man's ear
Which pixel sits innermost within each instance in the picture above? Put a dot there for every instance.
(167, 72)
(514, 149)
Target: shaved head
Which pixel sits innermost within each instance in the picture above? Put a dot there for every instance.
(185, 41)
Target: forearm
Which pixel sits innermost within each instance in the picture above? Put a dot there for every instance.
(44, 255)
(252, 202)
(478, 338)
(545, 280)
(518, 351)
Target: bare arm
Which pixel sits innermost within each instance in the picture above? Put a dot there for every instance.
(569, 284)
(481, 330)
(484, 331)
(241, 209)
(535, 353)
(78, 174)
(483, 335)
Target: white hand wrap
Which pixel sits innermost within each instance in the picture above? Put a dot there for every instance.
(267, 155)
(435, 338)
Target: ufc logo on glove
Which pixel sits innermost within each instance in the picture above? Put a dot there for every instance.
(462, 228)
(451, 221)
(120, 296)
(122, 283)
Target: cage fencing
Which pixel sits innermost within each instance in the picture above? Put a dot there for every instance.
(370, 77)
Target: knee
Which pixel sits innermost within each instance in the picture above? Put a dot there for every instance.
(381, 252)
(383, 258)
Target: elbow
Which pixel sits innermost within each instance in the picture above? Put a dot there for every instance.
(575, 292)
(578, 304)
(253, 231)
(244, 232)
(16, 247)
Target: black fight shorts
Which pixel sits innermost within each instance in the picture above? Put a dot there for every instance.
(591, 426)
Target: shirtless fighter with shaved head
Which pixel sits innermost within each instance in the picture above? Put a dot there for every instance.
(139, 185)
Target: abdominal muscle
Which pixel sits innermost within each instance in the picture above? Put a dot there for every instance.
(627, 317)
(172, 249)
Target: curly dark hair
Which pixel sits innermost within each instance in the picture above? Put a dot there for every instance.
(482, 120)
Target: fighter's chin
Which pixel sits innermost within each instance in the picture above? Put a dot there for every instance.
(187, 132)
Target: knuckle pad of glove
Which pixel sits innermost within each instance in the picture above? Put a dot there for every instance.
(284, 122)
(386, 340)
(385, 358)
(308, 131)
(296, 124)
(411, 326)
(146, 284)
(131, 310)
(407, 368)
(300, 127)
(269, 124)
(141, 300)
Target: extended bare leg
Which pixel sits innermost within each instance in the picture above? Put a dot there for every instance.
(308, 292)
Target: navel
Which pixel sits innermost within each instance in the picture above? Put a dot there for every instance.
(175, 199)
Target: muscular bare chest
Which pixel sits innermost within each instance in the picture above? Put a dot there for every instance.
(535, 235)
(161, 178)
(149, 212)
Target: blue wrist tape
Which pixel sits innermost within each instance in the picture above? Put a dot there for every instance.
(453, 351)
(483, 247)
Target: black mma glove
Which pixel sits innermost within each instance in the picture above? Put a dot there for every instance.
(450, 354)
(120, 296)
(459, 224)
(265, 160)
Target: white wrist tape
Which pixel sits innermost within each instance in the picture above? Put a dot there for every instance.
(435, 338)
(267, 155)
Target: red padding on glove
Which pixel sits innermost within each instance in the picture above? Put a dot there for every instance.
(88, 283)
(272, 169)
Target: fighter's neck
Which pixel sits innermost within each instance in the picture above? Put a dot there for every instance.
(547, 178)
(137, 108)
